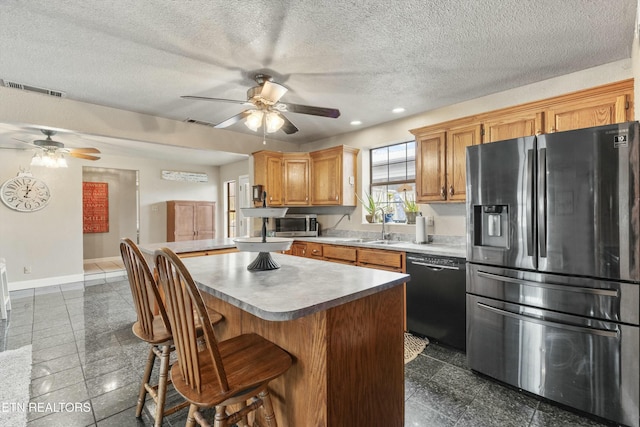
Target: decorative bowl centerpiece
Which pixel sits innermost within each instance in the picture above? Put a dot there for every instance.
(263, 245)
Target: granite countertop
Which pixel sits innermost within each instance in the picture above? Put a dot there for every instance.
(438, 248)
(453, 249)
(189, 246)
(300, 287)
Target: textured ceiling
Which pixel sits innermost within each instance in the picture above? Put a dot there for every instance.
(362, 57)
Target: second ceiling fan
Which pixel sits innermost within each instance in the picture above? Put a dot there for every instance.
(268, 110)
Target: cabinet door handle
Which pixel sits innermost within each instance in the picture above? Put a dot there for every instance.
(442, 192)
(315, 251)
(451, 190)
(336, 198)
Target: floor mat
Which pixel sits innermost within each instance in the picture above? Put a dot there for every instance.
(413, 346)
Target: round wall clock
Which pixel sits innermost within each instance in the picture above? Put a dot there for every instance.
(25, 193)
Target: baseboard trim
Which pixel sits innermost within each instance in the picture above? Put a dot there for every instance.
(47, 281)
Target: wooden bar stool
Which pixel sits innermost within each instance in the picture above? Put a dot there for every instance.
(219, 374)
(152, 328)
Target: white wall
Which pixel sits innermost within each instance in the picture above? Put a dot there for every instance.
(450, 218)
(50, 240)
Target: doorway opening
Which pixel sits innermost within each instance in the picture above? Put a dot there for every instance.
(121, 218)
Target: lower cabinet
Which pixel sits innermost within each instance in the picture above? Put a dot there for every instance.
(382, 260)
(341, 254)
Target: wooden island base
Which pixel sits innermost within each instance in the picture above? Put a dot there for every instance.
(348, 361)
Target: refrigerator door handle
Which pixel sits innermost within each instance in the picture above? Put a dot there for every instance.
(529, 202)
(585, 330)
(542, 202)
(556, 287)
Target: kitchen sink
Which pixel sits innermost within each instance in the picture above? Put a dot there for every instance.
(384, 242)
(374, 241)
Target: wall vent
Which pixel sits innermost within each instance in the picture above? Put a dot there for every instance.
(28, 88)
(199, 122)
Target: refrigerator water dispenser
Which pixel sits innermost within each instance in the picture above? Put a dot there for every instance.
(492, 225)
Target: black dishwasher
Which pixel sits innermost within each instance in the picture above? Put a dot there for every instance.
(436, 298)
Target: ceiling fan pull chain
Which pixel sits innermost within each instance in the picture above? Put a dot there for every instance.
(264, 131)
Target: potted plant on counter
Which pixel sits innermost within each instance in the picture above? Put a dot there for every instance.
(369, 204)
(411, 209)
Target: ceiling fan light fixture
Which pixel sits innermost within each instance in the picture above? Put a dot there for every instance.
(254, 120)
(49, 160)
(273, 121)
(61, 162)
(37, 160)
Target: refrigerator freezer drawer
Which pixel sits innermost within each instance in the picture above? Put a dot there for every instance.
(600, 299)
(588, 365)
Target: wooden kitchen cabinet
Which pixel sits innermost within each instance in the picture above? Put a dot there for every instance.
(296, 172)
(323, 178)
(440, 163)
(298, 249)
(333, 176)
(267, 171)
(341, 254)
(315, 250)
(382, 259)
(441, 148)
(602, 110)
(190, 220)
(513, 125)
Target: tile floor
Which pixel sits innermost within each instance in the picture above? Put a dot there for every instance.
(84, 351)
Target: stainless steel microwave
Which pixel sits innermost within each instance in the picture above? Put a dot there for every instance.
(297, 225)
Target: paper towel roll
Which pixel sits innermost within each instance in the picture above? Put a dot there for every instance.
(421, 229)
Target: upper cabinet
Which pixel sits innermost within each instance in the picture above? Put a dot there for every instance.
(458, 139)
(296, 172)
(441, 148)
(514, 125)
(267, 170)
(320, 178)
(440, 163)
(333, 176)
(601, 110)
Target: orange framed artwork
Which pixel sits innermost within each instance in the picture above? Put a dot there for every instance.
(95, 207)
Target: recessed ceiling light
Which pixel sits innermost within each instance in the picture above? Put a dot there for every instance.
(398, 110)
(356, 123)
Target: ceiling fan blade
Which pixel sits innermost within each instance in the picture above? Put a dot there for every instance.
(234, 119)
(206, 98)
(272, 91)
(15, 148)
(23, 141)
(307, 109)
(83, 156)
(288, 127)
(84, 150)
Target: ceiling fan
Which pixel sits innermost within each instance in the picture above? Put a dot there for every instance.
(51, 153)
(267, 109)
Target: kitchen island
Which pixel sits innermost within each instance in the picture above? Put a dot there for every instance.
(342, 324)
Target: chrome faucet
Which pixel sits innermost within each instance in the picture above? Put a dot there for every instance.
(385, 236)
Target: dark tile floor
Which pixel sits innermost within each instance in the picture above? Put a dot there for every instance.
(84, 352)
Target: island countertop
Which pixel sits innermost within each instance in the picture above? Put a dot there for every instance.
(187, 246)
(300, 287)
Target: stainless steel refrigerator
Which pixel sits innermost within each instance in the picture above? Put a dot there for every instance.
(553, 251)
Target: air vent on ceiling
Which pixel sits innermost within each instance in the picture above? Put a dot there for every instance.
(199, 122)
(50, 92)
